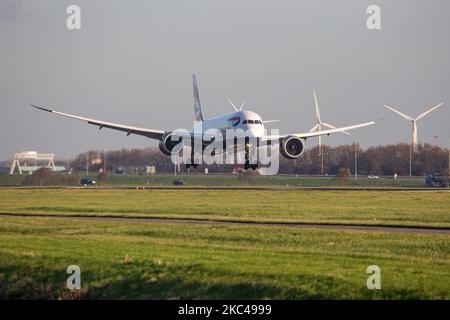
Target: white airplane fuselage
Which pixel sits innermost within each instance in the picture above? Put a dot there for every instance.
(247, 121)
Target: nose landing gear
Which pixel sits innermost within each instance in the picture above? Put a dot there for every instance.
(248, 149)
(248, 165)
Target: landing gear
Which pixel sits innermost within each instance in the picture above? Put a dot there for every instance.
(252, 166)
(249, 147)
(191, 160)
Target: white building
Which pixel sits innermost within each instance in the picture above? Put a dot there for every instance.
(29, 161)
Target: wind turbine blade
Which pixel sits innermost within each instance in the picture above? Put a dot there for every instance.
(405, 116)
(420, 116)
(333, 127)
(317, 106)
(314, 128)
(328, 125)
(242, 106)
(231, 102)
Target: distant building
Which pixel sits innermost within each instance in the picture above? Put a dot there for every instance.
(30, 161)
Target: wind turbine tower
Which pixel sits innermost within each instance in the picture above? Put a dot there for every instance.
(318, 127)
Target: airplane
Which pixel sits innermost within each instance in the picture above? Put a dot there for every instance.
(291, 146)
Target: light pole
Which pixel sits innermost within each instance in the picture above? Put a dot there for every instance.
(410, 159)
(327, 153)
(448, 160)
(321, 159)
(356, 160)
(104, 155)
(87, 163)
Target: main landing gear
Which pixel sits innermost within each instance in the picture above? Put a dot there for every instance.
(248, 147)
(248, 165)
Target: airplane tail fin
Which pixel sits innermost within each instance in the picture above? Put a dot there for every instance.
(198, 116)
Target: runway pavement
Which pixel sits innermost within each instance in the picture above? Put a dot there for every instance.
(366, 228)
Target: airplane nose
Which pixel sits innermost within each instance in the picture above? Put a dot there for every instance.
(254, 132)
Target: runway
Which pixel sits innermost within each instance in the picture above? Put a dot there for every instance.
(365, 228)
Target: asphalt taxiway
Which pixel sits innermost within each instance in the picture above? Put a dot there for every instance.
(343, 227)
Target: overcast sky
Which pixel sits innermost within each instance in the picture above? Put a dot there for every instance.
(132, 61)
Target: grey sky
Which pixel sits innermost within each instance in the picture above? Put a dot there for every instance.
(132, 63)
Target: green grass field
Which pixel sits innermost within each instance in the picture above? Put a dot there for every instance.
(169, 261)
(135, 260)
(421, 209)
(272, 181)
(230, 180)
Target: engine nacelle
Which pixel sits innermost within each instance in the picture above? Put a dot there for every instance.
(292, 147)
(170, 143)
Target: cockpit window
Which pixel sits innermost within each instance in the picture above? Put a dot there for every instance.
(252, 122)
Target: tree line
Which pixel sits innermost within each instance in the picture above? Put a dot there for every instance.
(378, 160)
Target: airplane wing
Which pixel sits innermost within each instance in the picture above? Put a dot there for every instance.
(320, 133)
(150, 133)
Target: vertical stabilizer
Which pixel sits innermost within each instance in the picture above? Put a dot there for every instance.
(198, 116)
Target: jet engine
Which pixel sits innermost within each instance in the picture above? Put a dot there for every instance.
(292, 147)
(170, 142)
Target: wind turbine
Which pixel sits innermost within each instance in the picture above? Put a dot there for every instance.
(320, 123)
(414, 121)
(236, 108)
